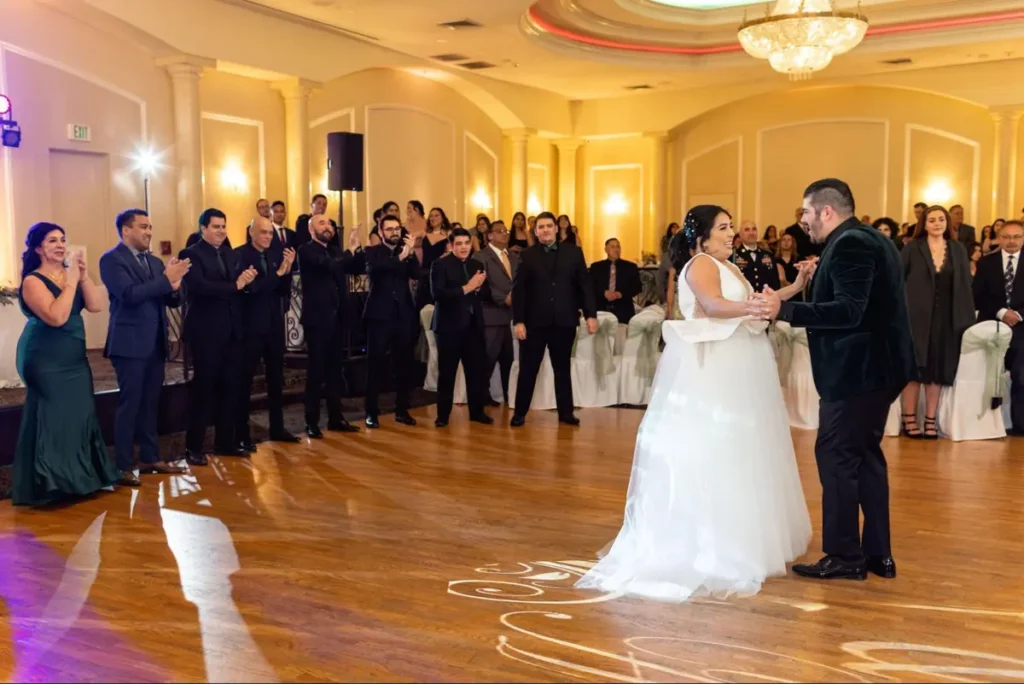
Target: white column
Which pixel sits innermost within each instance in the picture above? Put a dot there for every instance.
(567, 149)
(185, 71)
(659, 189)
(520, 169)
(1005, 180)
(295, 93)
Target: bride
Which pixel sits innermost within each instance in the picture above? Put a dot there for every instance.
(714, 504)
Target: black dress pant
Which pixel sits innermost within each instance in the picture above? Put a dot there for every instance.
(853, 474)
(139, 383)
(216, 368)
(498, 345)
(466, 347)
(557, 340)
(1015, 364)
(269, 348)
(325, 371)
(395, 338)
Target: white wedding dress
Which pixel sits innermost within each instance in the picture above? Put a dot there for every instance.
(714, 504)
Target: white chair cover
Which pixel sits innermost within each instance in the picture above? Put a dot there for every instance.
(595, 379)
(543, 391)
(794, 361)
(965, 410)
(640, 356)
(1007, 419)
(430, 381)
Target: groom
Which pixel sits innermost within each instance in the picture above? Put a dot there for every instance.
(862, 356)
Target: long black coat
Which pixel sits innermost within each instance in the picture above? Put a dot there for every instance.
(858, 330)
(919, 272)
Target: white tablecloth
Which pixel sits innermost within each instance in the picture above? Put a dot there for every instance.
(12, 322)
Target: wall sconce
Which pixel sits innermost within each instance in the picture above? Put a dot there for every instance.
(481, 200)
(938, 192)
(233, 178)
(533, 205)
(615, 205)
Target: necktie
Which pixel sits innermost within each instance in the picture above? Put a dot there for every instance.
(144, 262)
(220, 264)
(505, 263)
(263, 263)
(280, 236)
(1008, 279)
(611, 278)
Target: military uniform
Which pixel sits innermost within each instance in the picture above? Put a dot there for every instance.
(758, 267)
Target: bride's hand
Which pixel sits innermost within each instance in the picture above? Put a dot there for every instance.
(805, 269)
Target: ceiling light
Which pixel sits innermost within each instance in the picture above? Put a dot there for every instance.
(799, 37)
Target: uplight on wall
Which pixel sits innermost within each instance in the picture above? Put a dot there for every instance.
(938, 192)
(481, 200)
(533, 205)
(233, 178)
(615, 205)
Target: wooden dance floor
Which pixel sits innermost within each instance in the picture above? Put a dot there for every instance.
(419, 554)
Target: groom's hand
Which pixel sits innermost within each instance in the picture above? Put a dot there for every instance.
(765, 305)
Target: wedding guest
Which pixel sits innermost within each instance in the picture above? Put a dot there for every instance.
(140, 289)
(939, 300)
(433, 245)
(479, 233)
(500, 266)
(975, 254)
(662, 279)
(60, 452)
(755, 261)
(990, 239)
(616, 282)
(964, 233)
(787, 259)
(519, 236)
(770, 238)
(567, 232)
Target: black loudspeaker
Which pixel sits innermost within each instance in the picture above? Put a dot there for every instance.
(345, 161)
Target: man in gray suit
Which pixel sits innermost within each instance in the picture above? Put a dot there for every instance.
(496, 295)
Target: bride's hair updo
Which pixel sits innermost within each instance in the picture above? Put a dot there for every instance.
(696, 229)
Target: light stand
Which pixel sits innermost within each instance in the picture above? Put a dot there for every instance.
(146, 162)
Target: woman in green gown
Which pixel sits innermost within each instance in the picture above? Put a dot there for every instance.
(60, 451)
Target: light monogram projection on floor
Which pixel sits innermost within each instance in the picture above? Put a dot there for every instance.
(544, 639)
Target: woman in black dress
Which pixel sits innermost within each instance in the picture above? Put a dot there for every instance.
(939, 299)
(787, 258)
(519, 237)
(567, 232)
(433, 246)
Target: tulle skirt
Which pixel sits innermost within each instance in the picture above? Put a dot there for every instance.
(714, 504)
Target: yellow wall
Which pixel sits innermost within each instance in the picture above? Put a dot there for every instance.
(242, 136)
(890, 144)
(615, 176)
(423, 141)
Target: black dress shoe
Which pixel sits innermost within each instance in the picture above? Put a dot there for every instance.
(833, 567)
(341, 426)
(441, 423)
(283, 436)
(247, 446)
(313, 432)
(229, 451)
(483, 419)
(404, 418)
(569, 420)
(372, 423)
(517, 421)
(492, 403)
(195, 458)
(883, 566)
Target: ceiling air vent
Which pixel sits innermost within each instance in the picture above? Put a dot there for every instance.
(476, 66)
(450, 57)
(642, 86)
(898, 61)
(460, 24)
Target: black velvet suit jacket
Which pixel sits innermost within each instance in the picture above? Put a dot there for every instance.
(452, 306)
(858, 330)
(551, 288)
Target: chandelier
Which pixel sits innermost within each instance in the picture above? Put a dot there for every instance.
(799, 37)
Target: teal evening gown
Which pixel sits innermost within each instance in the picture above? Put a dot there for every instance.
(60, 451)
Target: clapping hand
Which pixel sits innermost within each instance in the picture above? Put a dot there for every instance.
(73, 271)
(476, 282)
(176, 270)
(79, 260)
(407, 247)
(354, 239)
(287, 258)
(246, 277)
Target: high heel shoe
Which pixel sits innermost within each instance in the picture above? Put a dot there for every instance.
(930, 426)
(909, 427)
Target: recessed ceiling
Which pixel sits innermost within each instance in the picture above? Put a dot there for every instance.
(706, 4)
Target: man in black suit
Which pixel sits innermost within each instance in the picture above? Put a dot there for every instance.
(214, 331)
(283, 237)
(965, 234)
(862, 356)
(324, 292)
(263, 329)
(805, 247)
(303, 233)
(500, 267)
(999, 296)
(456, 282)
(615, 282)
(391, 319)
(140, 290)
(550, 288)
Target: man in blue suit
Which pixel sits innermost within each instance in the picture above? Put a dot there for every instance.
(139, 288)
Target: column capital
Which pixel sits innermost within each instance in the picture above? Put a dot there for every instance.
(568, 144)
(295, 88)
(186, 65)
(519, 134)
(660, 136)
(1009, 113)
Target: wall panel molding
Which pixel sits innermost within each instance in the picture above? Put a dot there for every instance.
(738, 209)
(975, 167)
(241, 121)
(467, 138)
(591, 200)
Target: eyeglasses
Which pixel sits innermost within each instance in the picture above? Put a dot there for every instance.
(500, 231)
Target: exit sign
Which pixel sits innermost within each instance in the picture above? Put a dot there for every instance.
(79, 133)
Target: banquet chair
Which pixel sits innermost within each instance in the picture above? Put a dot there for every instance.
(798, 390)
(965, 409)
(640, 356)
(595, 380)
(430, 380)
(543, 390)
